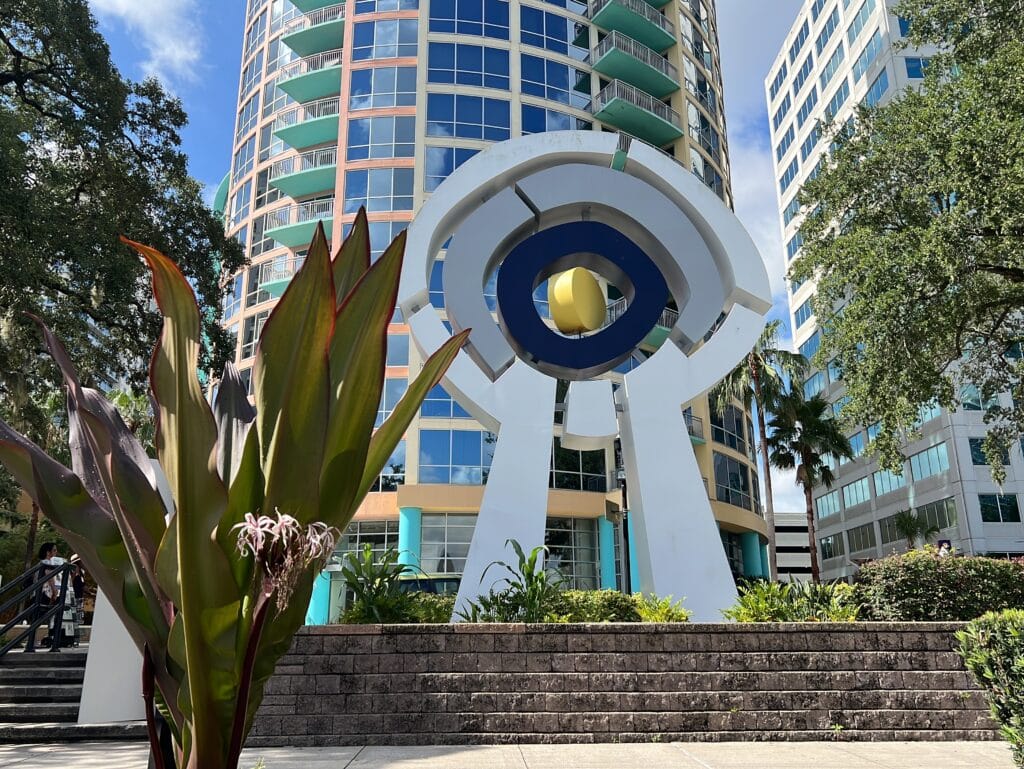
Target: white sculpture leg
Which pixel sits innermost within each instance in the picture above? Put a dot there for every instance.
(515, 500)
(679, 550)
(112, 690)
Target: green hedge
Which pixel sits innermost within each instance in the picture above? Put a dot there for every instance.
(920, 586)
(993, 650)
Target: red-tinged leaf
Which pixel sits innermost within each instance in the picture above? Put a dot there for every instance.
(187, 448)
(390, 433)
(290, 380)
(235, 415)
(353, 258)
(357, 355)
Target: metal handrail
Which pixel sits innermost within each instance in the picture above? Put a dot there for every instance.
(311, 111)
(694, 425)
(637, 50)
(314, 63)
(701, 97)
(31, 613)
(620, 90)
(274, 270)
(306, 161)
(315, 18)
(300, 212)
(640, 8)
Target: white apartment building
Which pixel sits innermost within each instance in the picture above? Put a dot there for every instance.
(838, 54)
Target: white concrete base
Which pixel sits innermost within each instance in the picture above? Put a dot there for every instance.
(112, 691)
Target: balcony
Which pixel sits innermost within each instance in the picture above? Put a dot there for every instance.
(635, 19)
(309, 124)
(623, 58)
(293, 226)
(317, 31)
(657, 335)
(634, 111)
(312, 77)
(306, 174)
(277, 274)
(308, 6)
(694, 426)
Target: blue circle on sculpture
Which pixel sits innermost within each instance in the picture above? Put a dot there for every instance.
(588, 244)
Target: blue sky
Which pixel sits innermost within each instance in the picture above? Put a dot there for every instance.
(194, 48)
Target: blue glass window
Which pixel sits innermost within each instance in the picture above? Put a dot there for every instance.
(485, 18)
(837, 101)
(783, 146)
(385, 39)
(803, 73)
(467, 65)
(811, 346)
(555, 81)
(814, 385)
(380, 6)
(437, 284)
(381, 137)
(860, 20)
(442, 161)
(538, 120)
(904, 26)
(573, 6)
(788, 175)
(461, 457)
(781, 112)
(832, 66)
(868, 55)
(383, 87)
(798, 43)
(807, 106)
(826, 32)
(468, 117)
(780, 78)
(794, 245)
(439, 403)
(381, 235)
(392, 392)
(398, 350)
(790, 211)
(379, 189)
(916, 66)
(803, 313)
(810, 143)
(877, 89)
(549, 30)
(816, 9)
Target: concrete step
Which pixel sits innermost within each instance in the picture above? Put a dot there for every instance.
(40, 692)
(17, 658)
(38, 712)
(42, 675)
(71, 732)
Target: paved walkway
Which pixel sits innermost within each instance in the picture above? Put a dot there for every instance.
(732, 755)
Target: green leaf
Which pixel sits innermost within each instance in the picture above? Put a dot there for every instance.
(357, 354)
(290, 379)
(235, 416)
(353, 258)
(391, 431)
(187, 447)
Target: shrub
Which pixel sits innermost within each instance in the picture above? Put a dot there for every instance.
(595, 606)
(794, 602)
(376, 588)
(992, 647)
(655, 609)
(530, 594)
(427, 608)
(922, 586)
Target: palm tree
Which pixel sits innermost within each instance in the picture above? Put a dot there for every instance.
(804, 433)
(913, 528)
(760, 379)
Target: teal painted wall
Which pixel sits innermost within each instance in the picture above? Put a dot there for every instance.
(410, 524)
(606, 543)
(750, 542)
(319, 601)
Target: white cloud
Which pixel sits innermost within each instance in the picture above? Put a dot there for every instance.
(787, 495)
(168, 31)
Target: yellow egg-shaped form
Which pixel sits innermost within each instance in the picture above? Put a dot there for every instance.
(576, 301)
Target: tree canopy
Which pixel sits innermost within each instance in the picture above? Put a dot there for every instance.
(916, 232)
(87, 155)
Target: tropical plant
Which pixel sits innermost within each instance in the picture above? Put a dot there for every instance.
(803, 436)
(596, 606)
(922, 586)
(431, 608)
(761, 601)
(213, 587)
(376, 587)
(651, 608)
(913, 528)
(760, 380)
(992, 648)
(529, 594)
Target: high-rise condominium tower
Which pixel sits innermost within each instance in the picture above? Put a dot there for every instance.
(841, 53)
(374, 103)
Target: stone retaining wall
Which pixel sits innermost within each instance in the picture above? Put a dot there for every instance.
(452, 684)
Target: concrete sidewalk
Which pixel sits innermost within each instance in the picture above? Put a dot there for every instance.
(731, 755)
